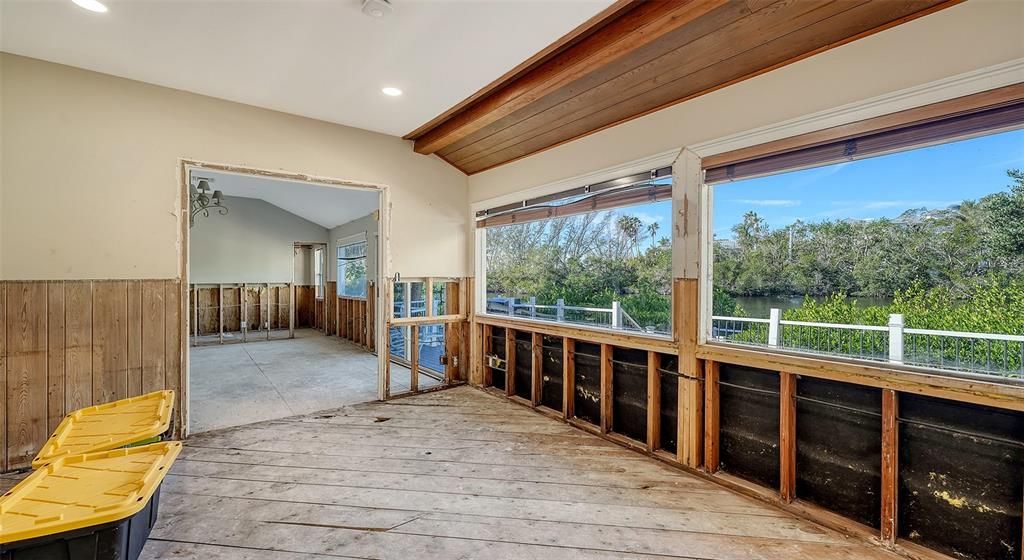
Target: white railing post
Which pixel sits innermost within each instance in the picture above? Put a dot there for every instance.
(560, 310)
(896, 338)
(533, 306)
(774, 326)
(511, 306)
(616, 315)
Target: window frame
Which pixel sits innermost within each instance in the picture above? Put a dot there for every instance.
(341, 244)
(804, 134)
(319, 258)
(549, 192)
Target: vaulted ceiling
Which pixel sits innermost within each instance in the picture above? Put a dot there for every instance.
(323, 59)
(640, 57)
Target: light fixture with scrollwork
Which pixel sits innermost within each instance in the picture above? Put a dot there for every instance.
(201, 201)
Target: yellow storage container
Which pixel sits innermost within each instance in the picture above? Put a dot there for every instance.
(109, 426)
(84, 491)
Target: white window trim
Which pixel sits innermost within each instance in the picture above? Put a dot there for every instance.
(353, 239)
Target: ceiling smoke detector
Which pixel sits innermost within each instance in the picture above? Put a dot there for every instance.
(377, 9)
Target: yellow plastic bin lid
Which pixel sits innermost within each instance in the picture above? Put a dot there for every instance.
(84, 490)
(109, 426)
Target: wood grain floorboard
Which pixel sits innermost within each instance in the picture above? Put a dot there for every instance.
(458, 474)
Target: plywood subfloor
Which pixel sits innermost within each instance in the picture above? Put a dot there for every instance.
(456, 474)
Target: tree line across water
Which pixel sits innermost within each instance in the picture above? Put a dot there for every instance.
(958, 268)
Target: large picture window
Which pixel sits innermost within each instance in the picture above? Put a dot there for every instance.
(914, 257)
(598, 257)
(352, 268)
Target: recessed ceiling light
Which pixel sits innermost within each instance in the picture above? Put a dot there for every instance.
(392, 91)
(91, 5)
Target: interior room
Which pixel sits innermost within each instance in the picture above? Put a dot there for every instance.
(265, 256)
(694, 279)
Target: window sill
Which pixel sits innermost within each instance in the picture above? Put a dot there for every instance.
(588, 333)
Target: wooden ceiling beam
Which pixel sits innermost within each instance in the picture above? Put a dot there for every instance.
(638, 57)
(642, 23)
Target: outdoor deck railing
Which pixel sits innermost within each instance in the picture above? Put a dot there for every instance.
(614, 317)
(986, 353)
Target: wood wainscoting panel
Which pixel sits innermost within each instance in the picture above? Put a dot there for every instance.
(66, 345)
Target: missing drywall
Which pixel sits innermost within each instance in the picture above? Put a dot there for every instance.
(587, 395)
(551, 382)
(629, 393)
(960, 486)
(749, 423)
(839, 448)
(523, 385)
(498, 349)
(669, 405)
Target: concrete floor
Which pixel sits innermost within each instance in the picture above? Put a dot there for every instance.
(238, 384)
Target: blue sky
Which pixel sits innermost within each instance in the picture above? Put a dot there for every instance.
(884, 186)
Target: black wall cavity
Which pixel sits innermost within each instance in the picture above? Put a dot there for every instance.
(749, 423)
(960, 477)
(669, 406)
(839, 448)
(551, 372)
(498, 349)
(587, 375)
(629, 393)
(524, 365)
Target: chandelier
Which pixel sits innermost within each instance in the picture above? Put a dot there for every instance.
(201, 201)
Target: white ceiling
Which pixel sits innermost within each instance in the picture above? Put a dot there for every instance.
(327, 206)
(317, 58)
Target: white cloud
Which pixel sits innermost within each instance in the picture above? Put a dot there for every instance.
(881, 204)
(768, 201)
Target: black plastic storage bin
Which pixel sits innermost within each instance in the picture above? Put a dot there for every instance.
(119, 540)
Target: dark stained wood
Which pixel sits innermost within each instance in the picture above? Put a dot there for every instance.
(649, 56)
(537, 348)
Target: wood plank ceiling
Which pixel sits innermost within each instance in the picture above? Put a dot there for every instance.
(637, 57)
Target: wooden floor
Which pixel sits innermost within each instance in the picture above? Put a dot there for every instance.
(456, 474)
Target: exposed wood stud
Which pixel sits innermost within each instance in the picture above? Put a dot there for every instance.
(569, 377)
(3, 376)
(537, 349)
(220, 312)
(890, 464)
(510, 362)
(487, 350)
(414, 360)
(711, 417)
(606, 388)
(55, 354)
(653, 400)
(787, 436)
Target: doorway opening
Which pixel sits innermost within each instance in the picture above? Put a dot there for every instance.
(283, 275)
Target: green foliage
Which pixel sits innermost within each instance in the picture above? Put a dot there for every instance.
(588, 260)
(952, 248)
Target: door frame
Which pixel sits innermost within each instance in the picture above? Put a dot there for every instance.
(185, 165)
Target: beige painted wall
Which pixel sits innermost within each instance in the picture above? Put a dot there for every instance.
(254, 242)
(89, 181)
(966, 37)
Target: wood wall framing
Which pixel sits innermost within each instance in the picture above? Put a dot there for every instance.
(69, 344)
(637, 57)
